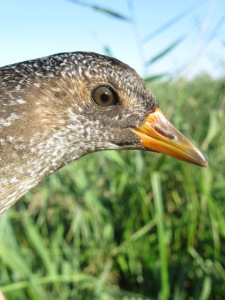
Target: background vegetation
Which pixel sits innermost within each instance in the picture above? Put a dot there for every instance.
(127, 225)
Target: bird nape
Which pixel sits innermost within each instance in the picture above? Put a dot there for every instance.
(56, 109)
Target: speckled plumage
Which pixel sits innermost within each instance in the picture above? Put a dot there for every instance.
(48, 117)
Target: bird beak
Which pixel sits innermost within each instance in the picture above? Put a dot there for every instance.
(159, 135)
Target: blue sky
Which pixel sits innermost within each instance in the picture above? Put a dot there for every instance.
(31, 29)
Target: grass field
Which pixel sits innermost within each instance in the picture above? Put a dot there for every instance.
(127, 225)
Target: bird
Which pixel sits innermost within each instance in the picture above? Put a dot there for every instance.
(56, 109)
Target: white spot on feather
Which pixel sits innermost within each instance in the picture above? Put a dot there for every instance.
(7, 122)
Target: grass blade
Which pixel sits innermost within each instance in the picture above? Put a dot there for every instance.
(165, 51)
(150, 79)
(161, 235)
(172, 21)
(102, 10)
(35, 239)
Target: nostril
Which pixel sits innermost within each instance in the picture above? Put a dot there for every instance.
(164, 132)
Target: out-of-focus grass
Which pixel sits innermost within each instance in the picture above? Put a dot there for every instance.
(127, 225)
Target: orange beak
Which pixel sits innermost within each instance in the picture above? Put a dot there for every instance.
(159, 135)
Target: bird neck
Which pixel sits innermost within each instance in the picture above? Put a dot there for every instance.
(27, 168)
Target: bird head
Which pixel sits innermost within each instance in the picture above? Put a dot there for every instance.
(104, 104)
(56, 109)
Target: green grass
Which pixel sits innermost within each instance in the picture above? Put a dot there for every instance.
(127, 225)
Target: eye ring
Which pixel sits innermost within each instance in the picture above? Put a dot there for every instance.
(104, 96)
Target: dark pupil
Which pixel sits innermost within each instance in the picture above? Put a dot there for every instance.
(104, 97)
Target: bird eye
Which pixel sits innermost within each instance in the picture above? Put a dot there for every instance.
(104, 96)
